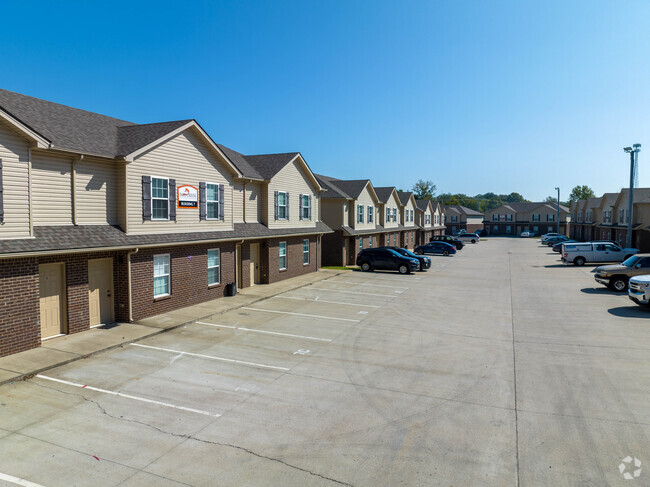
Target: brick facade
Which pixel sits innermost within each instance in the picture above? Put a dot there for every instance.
(271, 258)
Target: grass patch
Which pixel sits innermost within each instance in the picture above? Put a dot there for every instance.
(336, 267)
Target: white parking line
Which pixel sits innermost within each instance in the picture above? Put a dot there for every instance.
(210, 357)
(128, 396)
(371, 285)
(349, 292)
(329, 302)
(301, 314)
(18, 481)
(263, 331)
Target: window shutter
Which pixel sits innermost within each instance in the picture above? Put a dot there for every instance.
(2, 208)
(309, 206)
(172, 199)
(300, 206)
(288, 205)
(203, 202)
(276, 205)
(146, 197)
(221, 209)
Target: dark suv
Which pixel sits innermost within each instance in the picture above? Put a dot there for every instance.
(425, 262)
(449, 239)
(386, 260)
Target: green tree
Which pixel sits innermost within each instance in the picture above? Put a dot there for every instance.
(581, 193)
(424, 190)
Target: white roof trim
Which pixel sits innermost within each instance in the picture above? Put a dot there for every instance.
(31, 134)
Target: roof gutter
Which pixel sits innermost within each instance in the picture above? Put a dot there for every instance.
(128, 272)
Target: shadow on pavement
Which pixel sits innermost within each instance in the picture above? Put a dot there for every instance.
(630, 312)
(600, 290)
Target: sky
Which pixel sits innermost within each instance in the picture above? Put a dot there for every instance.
(476, 96)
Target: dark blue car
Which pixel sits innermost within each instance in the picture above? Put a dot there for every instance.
(436, 248)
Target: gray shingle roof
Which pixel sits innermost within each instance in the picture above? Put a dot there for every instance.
(268, 165)
(86, 238)
(422, 204)
(240, 162)
(384, 193)
(332, 190)
(404, 196)
(352, 187)
(462, 209)
(82, 131)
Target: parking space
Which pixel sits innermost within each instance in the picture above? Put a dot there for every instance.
(362, 379)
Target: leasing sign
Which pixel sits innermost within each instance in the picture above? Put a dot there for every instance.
(188, 196)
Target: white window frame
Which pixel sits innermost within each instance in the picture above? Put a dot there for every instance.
(370, 215)
(454, 219)
(536, 217)
(411, 215)
(207, 202)
(218, 266)
(360, 243)
(168, 275)
(359, 213)
(280, 255)
(305, 207)
(550, 217)
(284, 206)
(305, 253)
(153, 198)
(370, 242)
(508, 229)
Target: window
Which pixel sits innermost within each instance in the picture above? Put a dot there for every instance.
(214, 267)
(305, 252)
(508, 229)
(551, 217)
(370, 214)
(495, 229)
(305, 207)
(495, 217)
(387, 214)
(160, 275)
(411, 215)
(508, 218)
(282, 206)
(550, 229)
(394, 214)
(454, 219)
(212, 201)
(536, 229)
(535, 217)
(359, 213)
(370, 241)
(360, 243)
(159, 199)
(283, 255)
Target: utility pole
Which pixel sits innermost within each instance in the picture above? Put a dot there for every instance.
(634, 157)
(558, 210)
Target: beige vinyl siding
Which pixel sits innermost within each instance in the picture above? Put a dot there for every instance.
(365, 199)
(393, 202)
(97, 192)
(253, 202)
(408, 208)
(238, 203)
(292, 179)
(14, 152)
(189, 160)
(333, 213)
(51, 189)
(121, 198)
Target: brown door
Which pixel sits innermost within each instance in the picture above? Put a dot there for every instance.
(52, 299)
(255, 264)
(100, 290)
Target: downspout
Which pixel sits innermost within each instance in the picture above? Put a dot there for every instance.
(244, 202)
(74, 188)
(29, 192)
(128, 272)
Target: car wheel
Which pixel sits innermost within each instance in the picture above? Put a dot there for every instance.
(473, 241)
(445, 253)
(403, 269)
(419, 251)
(618, 284)
(365, 267)
(579, 261)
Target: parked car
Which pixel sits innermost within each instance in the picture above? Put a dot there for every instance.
(526, 234)
(553, 240)
(549, 235)
(481, 233)
(449, 239)
(639, 289)
(468, 237)
(436, 248)
(386, 260)
(582, 252)
(616, 276)
(558, 246)
(425, 262)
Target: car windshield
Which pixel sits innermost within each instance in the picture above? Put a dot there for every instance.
(409, 253)
(395, 252)
(631, 261)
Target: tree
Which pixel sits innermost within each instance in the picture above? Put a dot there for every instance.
(581, 193)
(550, 199)
(424, 190)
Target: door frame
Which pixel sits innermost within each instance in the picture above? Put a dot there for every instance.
(255, 278)
(63, 299)
(238, 265)
(112, 316)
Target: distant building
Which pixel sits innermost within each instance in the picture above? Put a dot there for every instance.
(514, 218)
(459, 218)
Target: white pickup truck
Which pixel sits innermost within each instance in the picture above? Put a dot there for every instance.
(639, 289)
(579, 253)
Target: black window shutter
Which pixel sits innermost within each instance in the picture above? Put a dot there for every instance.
(310, 207)
(146, 197)
(276, 205)
(221, 212)
(288, 205)
(300, 206)
(2, 207)
(172, 199)
(202, 201)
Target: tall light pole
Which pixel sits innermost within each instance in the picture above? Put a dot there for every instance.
(558, 209)
(634, 157)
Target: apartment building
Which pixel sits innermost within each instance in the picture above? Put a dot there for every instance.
(429, 219)
(106, 220)
(459, 218)
(408, 237)
(515, 218)
(389, 209)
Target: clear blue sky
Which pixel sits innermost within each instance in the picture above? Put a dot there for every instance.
(476, 96)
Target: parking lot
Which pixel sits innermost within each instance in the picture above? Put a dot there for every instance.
(497, 367)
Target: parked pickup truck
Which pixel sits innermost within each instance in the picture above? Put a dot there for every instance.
(616, 276)
(639, 290)
(580, 253)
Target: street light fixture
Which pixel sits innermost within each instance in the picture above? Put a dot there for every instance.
(558, 209)
(634, 157)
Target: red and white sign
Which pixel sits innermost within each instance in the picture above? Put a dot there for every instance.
(187, 196)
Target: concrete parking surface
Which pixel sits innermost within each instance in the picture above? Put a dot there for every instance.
(498, 367)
